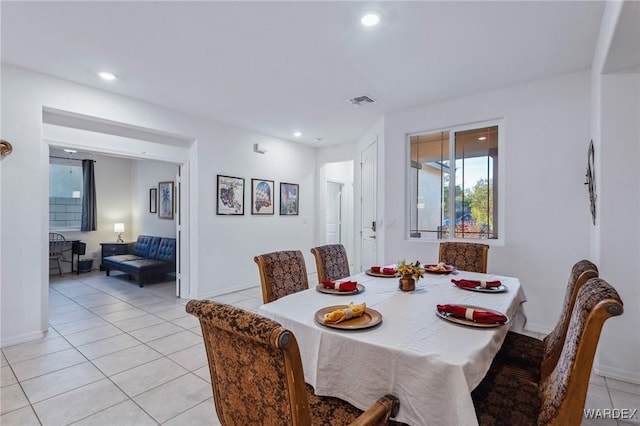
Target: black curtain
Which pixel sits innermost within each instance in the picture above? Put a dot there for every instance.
(89, 210)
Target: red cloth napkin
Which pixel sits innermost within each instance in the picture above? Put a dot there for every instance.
(474, 283)
(389, 271)
(476, 315)
(341, 285)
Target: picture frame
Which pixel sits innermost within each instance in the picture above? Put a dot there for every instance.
(153, 200)
(230, 195)
(262, 197)
(165, 199)
(289, 199)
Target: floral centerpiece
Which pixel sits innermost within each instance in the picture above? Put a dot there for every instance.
(415, 270)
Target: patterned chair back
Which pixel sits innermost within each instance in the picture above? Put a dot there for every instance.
(564, 391)
(281, 273)
(580, 273)
(255, 367)
(470, 257)
(331, 262)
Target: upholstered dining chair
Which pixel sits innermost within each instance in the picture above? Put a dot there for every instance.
(534, 358)
(558, 399)
(257, 377)
(281, 273)
(331, 262)
(56, 249)
(470, 257)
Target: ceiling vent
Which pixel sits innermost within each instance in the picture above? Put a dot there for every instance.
(362, 100)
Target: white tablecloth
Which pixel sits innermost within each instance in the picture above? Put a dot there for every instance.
(429, 363)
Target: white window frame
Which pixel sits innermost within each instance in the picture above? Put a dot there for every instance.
(432, 237)
(71, 163)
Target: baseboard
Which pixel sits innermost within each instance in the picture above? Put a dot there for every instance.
(23, 338)
(616, 373)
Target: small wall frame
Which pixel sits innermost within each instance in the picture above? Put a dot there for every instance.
(230, 195)
(165, 189)
(262, 197)
(289, 199)
(153, 200)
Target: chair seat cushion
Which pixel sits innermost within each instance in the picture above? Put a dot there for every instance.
(522, 351)
(503, 399)
(326, 410)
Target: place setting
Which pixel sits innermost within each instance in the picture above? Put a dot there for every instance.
(470, 315)
(440, 268)
(340, 287)
(382, 271)
(481, 286)
(348, 317)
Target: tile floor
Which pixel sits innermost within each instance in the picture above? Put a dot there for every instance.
(117, 354)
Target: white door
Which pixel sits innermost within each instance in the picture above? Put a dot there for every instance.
(368, 163)
(334, 213)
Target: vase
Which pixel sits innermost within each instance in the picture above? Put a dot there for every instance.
(407, 283)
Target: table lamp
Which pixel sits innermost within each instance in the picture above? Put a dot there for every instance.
(119, 228)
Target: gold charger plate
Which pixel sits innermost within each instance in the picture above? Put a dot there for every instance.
(464, 321)
(323, 289)
(380, 274)
(369, 319)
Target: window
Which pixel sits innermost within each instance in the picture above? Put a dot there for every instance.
(454, 183)
(65, 194)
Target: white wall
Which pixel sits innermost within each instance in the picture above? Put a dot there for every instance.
(147, 175)
(618, 189)
(221, 247)
(546, 128)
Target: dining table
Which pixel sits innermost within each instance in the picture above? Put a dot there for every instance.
(404, 345)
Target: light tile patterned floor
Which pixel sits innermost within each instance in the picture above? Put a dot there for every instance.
(118, 354)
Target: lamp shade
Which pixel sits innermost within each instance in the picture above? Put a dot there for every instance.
(118, 227)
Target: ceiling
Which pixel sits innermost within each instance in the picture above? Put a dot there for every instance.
(280, 67)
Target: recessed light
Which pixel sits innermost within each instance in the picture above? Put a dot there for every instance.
(297, 134)
(70, 151)
(107, 76)
(482, 138)
(370, 19)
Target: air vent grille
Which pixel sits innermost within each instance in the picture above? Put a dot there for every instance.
(362, 100)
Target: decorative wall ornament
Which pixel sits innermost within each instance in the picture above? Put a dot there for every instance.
(5, 148)
(591, 180)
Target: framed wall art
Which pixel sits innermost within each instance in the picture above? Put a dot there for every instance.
(165, 189)
(230, 195)
(262, 196)
(153, 200)
(289, 198)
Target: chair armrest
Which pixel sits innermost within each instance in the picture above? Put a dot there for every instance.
(379, 413)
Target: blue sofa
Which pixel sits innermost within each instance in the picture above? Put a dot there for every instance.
(151, 257)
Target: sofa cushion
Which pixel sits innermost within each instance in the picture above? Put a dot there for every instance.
(166, 250)
(119, 258)
(147, 265)
(146, 246)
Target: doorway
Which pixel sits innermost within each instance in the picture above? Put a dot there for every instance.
(368, 162)
(334, 213)
(74, 131)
